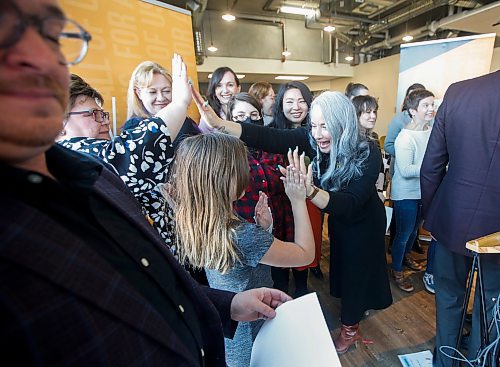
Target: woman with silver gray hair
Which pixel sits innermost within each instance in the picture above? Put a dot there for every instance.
(346, 167)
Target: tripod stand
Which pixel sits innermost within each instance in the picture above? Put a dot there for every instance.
(489, 244)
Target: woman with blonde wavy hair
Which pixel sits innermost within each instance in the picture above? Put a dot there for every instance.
(210, 172)
(149, 90)
(141, 154)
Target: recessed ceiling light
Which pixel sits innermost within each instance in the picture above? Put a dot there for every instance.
(329, 28)
(407, 38)
(212, 48)
(349, 58)
(298, 11)
(291, 77)
(228, 17)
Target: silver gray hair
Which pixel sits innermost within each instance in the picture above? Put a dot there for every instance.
(348, 151)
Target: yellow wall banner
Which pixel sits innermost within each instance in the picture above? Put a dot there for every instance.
(125, 33)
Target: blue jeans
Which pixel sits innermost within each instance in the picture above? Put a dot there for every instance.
(430, 257)
(408, 217)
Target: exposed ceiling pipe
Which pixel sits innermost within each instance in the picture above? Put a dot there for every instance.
(427, 30)
(394, 41)
(404, 14)
(392, 20)
(442, 23)
(342, 37)
(387, 8)
(197, 20)
(273, 21)
(415, 10)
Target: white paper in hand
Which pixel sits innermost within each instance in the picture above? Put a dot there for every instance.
(297, 337)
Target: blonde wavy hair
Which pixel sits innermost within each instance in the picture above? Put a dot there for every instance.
(141, 78)
(209, 173)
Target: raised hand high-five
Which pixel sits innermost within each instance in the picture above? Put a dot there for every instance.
(175, 112)
(210, 118)
(181, 91)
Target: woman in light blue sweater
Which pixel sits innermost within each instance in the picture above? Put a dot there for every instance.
(410, 147)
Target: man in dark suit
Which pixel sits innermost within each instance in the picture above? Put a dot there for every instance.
(86, 281)
(460, 182)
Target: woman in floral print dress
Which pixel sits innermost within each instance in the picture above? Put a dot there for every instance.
(141, 154)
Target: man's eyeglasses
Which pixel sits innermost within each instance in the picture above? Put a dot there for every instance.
(254, 116)
(65, 36)
(98, 115)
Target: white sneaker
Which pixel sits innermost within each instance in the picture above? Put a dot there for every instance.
(428, 280)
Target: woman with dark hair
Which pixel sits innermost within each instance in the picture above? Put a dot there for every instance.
(356, 89)
(346, 167)
(405, 188)
(398, 122)
(241, 109)
(291, 110)
(292, 105)
(395, 126)
(366, 109)
(222, 86)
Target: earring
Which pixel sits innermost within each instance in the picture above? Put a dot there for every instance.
(62, 133)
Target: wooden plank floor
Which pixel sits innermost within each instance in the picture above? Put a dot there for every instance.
(407, 326)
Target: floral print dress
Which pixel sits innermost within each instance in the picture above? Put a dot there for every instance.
(141, 157)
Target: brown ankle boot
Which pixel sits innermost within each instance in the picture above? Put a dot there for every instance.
(348, 336)
(403, 283)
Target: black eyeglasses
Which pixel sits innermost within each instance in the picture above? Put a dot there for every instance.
(254, 116)
(98, 115)
(65, 37)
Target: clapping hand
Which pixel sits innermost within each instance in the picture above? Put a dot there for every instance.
(295, 186)
(263, 215)
(297, 163)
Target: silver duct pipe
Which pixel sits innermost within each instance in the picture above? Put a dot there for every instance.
(428, 30)
(387, 8)
(394, 41)
(403, 15)
(197, 20)
(442, 23)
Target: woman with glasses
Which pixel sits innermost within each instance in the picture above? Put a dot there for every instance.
(140, 155)
(85, 118)
(264, 93)
(223, 88)
(244, 109)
